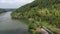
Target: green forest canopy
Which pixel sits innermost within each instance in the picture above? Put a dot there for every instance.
(40, 11)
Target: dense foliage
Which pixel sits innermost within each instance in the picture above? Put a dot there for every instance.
(39, 11)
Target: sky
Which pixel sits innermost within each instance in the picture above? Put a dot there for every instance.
(13, 3)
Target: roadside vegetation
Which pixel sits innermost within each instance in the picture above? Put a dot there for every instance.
(40, 13)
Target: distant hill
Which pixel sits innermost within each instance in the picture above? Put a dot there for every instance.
(10, 9)
(2, 10)
(44, 12)
(5, 10)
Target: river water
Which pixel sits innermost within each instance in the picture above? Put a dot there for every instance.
(11, 26)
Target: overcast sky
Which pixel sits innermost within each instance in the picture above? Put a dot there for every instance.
(13, 3)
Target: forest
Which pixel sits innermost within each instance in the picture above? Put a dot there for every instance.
(40, 13)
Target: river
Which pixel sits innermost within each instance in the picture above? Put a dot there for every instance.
(11, 26)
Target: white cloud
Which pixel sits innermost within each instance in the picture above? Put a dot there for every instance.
(2, 1)
(15, 1)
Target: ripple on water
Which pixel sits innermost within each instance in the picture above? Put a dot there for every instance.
(9, 26)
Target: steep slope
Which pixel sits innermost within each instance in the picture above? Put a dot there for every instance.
(40, 12)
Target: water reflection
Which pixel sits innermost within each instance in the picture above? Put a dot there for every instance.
(9, 26)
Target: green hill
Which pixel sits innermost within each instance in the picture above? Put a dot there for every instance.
(41, 12)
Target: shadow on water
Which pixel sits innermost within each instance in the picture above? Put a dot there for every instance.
(15, 31)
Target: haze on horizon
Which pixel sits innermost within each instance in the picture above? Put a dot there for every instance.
(13, 3)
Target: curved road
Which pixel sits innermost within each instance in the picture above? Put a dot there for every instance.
(10, 26)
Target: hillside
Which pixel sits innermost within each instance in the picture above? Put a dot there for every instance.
(40, 12)
(2, 10)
